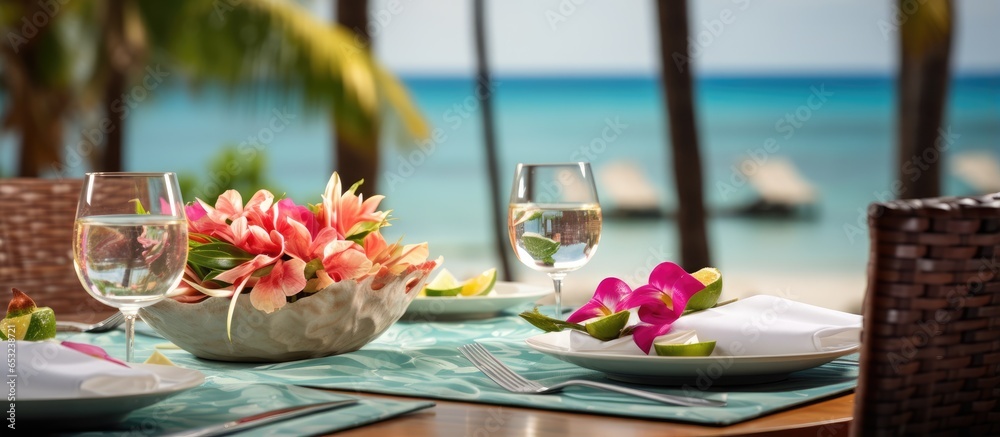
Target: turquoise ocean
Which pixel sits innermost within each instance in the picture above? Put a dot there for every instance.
(838, 131)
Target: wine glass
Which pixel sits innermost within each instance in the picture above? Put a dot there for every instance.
(554, 219)
(130, 241)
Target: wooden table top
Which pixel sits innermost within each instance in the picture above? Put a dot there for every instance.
(829, 417)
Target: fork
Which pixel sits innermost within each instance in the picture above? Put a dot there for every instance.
(506, 378)
(102, 326)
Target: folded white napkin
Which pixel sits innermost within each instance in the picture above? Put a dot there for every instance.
(48, 370)
(770, 325)
(758, 325)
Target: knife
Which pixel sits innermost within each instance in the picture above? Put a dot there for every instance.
(262, 419)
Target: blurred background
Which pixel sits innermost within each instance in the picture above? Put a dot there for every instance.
(797, 109)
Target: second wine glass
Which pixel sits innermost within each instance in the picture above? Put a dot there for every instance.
(554, 219)
(130, 241)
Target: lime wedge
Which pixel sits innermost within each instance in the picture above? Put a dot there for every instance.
(40, 324)
(608, 327)
(444, 284)
(539, 247)
(702, 349)
(480, 285)
(709, 296)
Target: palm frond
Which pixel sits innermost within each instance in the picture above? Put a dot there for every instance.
(279, 44)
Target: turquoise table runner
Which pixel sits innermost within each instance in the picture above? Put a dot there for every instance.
(215, 402)
(421, 359)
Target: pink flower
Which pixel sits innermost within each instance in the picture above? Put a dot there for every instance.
(286, 279)
(94, 351)
(347, 212)
(269, 246)
(345, 260)
(661, 301)
(607, 300)
(393, 258)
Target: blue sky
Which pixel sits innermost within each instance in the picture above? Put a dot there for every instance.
(553, 37)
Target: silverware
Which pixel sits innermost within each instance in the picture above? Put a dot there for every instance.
(506, 378)
(262, 419)
(102, 326)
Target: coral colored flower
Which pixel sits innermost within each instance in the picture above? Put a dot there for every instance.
(275, 249)
(285, 279)
(345, 260)
(347, 212)
(607, 300)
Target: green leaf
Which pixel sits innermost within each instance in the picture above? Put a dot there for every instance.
(361, 230)
(549, 324)
(218, 256)
(719, 304)
(312, 267)
(138, 207)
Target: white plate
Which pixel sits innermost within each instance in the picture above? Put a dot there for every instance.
(82, 412)
(503, 296)
(722, 370)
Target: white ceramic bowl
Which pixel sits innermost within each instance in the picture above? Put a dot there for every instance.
(338, 319)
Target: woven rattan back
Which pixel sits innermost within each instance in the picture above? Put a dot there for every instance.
(930, 360)
(36, 235)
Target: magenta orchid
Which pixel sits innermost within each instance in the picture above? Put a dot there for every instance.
(279, 250)
(658, 304)
(661, 302)
(608, 299)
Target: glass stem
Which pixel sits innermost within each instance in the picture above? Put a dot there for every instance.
(557, 286)
(130, 315)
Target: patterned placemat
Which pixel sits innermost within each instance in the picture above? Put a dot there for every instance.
(421, 359)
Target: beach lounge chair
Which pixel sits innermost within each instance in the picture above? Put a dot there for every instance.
(782, 190)
(979, 169)
(627, 190)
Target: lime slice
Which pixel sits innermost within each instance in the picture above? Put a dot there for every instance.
(444, 284)
(608, 327)
(709, 296)
(540, 248)
(159, 358)
(480, 285)
(18, 325)
(702, 349)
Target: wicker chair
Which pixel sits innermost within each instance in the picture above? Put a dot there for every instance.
(36, 234)
(930, 360)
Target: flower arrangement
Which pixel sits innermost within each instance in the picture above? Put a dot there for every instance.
(670, 293)
(279, 252)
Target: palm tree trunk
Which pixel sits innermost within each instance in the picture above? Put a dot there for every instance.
(116, 54)
(355, 162)
(925, 47)
(489, 139)
(36, 108)
(676, 83)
